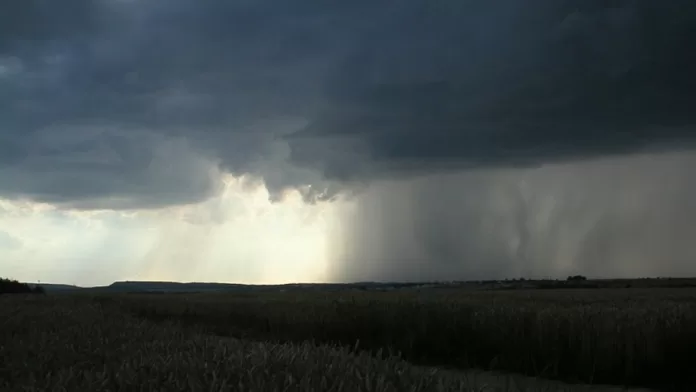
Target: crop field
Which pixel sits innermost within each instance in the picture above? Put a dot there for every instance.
(403, 340)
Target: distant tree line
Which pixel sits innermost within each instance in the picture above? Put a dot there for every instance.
(8, 286)
(576, 278)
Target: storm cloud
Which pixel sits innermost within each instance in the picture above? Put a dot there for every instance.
(110, 82)
(509, 83)
(305, 92)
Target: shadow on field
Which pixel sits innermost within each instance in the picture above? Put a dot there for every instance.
(634, 338)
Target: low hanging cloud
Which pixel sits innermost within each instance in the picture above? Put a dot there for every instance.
(117, 81)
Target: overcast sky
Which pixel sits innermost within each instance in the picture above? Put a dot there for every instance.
(269, 141)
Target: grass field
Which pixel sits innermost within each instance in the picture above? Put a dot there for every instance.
(349, 341)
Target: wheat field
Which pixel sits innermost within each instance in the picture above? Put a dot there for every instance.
(410, 340)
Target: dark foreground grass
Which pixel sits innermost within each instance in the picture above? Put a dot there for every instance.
(76, 344)
(621, 337)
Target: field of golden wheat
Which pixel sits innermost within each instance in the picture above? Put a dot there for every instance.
(410, 340)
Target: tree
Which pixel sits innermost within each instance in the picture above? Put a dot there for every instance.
(576, 278)
(8, 286)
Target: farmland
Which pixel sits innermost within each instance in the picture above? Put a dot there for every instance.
(413, 339)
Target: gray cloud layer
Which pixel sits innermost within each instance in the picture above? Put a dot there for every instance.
(506, 83)
(129, 103)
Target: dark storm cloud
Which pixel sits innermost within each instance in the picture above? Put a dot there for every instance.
(510, 82)
(129, 103)
(91, 90)
(23, 23)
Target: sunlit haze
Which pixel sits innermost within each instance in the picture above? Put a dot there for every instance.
(235, 236)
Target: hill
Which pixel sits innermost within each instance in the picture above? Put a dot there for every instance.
(507, 284)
